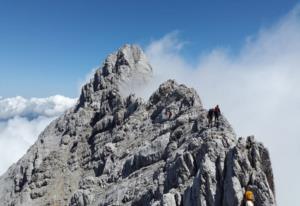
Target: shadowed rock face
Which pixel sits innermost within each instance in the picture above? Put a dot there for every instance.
(115, 149)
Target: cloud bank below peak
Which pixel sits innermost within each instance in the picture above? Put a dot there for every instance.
(34, 107)
(22, 120)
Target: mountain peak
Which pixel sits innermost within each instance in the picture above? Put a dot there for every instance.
(121, 72)
(115, 149)
(128, 59)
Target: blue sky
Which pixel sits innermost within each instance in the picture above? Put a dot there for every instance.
(48, 47)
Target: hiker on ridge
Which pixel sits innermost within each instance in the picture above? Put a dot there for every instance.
(210, 116)
(217, 113)
(213, 116)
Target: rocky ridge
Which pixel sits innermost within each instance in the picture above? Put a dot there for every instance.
(113, 148)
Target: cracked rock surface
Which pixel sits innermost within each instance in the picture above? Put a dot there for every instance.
(113, 148)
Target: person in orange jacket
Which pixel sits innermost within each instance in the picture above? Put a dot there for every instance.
(249, 197)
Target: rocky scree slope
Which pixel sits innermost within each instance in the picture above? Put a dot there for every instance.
(116, 149)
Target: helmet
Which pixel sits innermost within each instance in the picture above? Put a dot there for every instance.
(249, 195)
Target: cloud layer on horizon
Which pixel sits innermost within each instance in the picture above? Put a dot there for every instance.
(256, 88)
(22, 120)
(34, 107)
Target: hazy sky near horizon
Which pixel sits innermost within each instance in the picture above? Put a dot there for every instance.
(243, 55)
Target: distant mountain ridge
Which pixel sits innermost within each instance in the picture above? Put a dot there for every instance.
(113, 148)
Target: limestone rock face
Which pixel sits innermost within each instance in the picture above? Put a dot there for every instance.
(113, 148)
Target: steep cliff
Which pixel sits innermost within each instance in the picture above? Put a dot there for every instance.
(113, 148)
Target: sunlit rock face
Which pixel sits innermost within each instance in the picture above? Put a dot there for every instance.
(113, 148)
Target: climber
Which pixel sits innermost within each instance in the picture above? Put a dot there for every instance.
(210, 116)
(168, 113)
(249, 197)
(217, 113)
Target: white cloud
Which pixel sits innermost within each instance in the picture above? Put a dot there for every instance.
(257, 90)
(34, 107)
(22, 120)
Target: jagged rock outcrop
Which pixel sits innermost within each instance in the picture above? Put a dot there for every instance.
(113, 148)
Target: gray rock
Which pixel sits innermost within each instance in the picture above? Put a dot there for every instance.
(115, 149)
